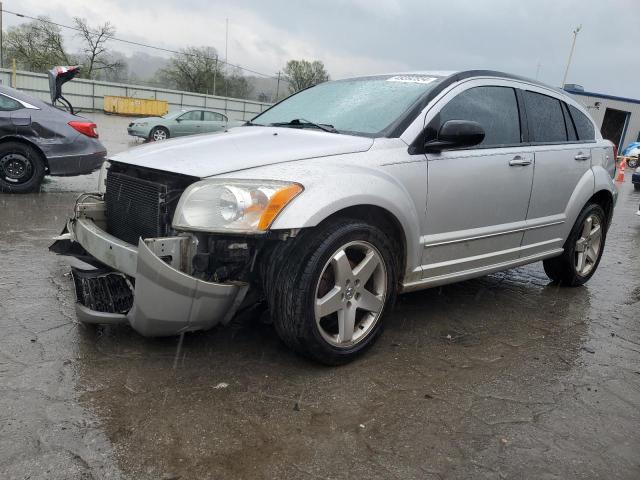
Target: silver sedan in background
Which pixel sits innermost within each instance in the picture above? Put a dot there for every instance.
(180, 123)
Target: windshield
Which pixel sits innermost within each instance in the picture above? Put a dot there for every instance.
(172, 115)
(361, 106)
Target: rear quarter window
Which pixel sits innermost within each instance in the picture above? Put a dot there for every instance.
(8, 104)
(546, 121)
(584, 126)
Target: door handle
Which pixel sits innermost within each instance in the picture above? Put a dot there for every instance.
(518, 161)
(582, 156)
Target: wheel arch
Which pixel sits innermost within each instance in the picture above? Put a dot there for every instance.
(605, 199)
(383, 219)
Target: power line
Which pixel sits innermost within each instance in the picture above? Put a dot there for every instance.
(131, 42)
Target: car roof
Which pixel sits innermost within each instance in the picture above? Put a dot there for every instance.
(456, 75)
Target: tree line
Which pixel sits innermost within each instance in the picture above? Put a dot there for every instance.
(39, 45)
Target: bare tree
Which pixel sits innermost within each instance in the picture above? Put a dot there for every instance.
(194, 69)
(96, 59)
(301, 74)
(197, 69)
(37, 46)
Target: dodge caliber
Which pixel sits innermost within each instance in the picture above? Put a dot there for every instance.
(335, 200)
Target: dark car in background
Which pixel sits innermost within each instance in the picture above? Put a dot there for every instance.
(38, 139)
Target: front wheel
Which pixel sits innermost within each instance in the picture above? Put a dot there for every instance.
(158, 133)
(582, 250)
(331, 289)
(21, 168)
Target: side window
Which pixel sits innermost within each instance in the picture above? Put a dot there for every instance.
(213, 117)
(546, 121)
(192, 115)
(571, 129)
(495, 108)
(9, 104)
(584, 127)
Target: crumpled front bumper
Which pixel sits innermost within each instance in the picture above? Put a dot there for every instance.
(166, 301)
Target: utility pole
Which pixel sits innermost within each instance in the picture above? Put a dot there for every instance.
(573, 46)
(226, 56)
(215, 73)
(1, 39)
(277, 88)
(226, 42)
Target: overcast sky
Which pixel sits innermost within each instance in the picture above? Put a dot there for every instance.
(372, 36)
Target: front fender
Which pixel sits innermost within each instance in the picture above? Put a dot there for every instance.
(335, 189)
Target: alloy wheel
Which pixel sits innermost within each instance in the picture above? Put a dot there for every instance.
(587, 249)
(159, 134)
(350, 294)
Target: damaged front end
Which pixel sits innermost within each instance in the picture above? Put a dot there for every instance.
(165, 285)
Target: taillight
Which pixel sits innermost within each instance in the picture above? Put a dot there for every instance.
(89, 129)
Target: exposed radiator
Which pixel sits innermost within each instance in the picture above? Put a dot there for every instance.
(135, 207)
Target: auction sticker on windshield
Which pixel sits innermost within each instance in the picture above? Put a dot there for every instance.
(411, 79)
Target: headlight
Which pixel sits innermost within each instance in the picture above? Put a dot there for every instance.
(140, 124)
(102, 178)
(233, 205)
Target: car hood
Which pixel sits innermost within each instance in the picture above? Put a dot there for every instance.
(240, 148)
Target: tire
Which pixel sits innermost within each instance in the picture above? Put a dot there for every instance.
(636, 186)
(566, 269)
(21, 168)
(312, 268)
(632, 162)
(158, 133)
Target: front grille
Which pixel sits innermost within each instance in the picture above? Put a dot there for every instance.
(135, 207)
(103, 292)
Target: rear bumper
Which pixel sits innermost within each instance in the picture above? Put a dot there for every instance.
(166, 301)
(76, 164)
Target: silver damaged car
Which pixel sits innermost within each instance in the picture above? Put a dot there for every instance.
(335, 200)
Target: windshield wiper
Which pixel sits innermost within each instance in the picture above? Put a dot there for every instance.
(296, 122)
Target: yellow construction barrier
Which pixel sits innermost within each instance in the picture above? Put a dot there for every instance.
(135, 106)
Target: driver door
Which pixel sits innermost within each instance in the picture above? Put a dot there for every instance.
(189, 123)
(477, 197)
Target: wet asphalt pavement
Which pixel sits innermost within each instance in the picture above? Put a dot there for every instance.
(505, 376)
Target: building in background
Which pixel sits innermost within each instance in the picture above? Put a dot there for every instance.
(617, 117)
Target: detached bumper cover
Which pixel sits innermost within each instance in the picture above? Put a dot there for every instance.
(166, 301)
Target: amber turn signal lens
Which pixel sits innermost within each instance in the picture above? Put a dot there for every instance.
(278, 201)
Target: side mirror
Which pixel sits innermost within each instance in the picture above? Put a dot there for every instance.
(178, 120)
(456, 134)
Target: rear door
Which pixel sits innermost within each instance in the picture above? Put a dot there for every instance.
(562, 162)
(213, 122)
(477, 197)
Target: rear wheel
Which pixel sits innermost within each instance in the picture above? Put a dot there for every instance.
(158, 133)
(21, 168)
(636, 186)
(332, 289)
(582, 250)
(633, 162)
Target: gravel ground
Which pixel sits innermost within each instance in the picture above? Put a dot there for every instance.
(505, 376)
